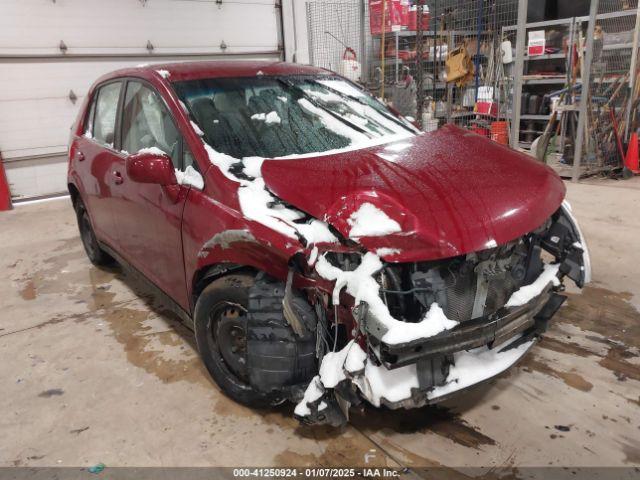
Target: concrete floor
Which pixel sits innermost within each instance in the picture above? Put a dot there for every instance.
(93, 370)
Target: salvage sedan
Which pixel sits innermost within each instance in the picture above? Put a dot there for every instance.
(323, 250)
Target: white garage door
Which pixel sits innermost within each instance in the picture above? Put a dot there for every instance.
(51, 51)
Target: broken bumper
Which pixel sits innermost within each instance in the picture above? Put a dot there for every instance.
(529, 320)
(470, 368)
(401, 388)
(429, 370)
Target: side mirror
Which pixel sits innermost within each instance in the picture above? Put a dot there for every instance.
(151, 165)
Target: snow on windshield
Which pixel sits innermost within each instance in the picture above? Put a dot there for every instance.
(280, 116)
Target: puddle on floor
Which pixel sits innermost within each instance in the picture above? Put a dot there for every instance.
(603, 311)
(431, 419)
(533, 363)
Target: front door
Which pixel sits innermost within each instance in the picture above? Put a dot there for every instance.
(148, 217)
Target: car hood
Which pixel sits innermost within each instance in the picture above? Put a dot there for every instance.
(451, 191)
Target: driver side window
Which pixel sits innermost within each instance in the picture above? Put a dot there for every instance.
(147, 123)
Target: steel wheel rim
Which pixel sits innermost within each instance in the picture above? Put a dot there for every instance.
(86, 234)
(228, 332)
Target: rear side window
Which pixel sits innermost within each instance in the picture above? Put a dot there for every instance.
(146, 122)
(104, 113)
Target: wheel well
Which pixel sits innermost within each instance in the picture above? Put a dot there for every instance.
(208, 274)
(74, 192)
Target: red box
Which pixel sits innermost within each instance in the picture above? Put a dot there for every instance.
(392, 16)
(412, 23)
(404, 13)
(487, 108)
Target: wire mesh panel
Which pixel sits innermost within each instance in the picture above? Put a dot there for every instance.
(610, 94)
(336, 39)
(461, 63)
(473, 31)
(550, 73)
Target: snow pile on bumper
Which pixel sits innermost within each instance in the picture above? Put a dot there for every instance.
(400, 387)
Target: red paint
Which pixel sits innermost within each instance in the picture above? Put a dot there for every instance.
(632, 159)
(5, 194)
(151, 168)
(452, 192)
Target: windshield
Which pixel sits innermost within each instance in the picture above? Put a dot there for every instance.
(279, 116)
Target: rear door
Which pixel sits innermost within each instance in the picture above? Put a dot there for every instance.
(148, 217)
(95, 159)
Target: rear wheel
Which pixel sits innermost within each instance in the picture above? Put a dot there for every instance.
(96, 255)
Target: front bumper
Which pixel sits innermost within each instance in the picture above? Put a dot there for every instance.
(400, 388)
(428, 370)
(529, 319)
(470, 368)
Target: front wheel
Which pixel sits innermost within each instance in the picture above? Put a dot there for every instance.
(220, 320)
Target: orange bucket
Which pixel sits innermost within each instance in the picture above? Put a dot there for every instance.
(500, 132)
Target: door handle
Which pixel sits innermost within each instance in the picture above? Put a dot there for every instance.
(79, 156)
(118, 177)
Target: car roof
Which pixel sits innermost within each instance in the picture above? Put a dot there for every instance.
(181, 71)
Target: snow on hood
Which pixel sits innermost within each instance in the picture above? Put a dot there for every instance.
(370, 221)
(258, 204)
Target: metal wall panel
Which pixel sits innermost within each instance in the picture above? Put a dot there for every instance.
(36, 27)
(36, 77)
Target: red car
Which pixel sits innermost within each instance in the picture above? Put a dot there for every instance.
(323, 250)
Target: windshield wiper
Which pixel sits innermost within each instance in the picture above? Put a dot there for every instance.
(362, 102)
(313, 101)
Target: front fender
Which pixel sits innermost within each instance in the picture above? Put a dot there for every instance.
(214, 234)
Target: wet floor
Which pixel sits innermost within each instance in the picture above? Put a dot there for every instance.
(95, 369)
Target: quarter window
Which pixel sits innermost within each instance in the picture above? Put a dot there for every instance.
(146, 122)
(104, 118)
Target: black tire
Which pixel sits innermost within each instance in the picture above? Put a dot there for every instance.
(220, 295)
(278, 358)
(96, 255)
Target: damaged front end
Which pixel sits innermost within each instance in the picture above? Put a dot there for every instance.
(431, 329)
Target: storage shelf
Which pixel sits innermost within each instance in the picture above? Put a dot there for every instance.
(547, 56)
(429, 33)
(545, 81)
(617, 46)
(534, 117)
